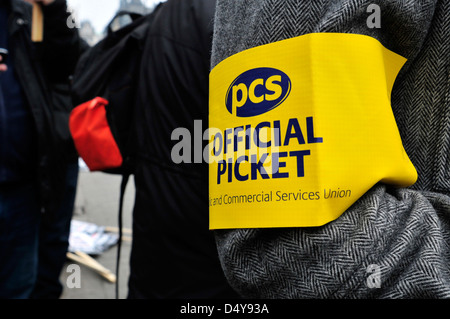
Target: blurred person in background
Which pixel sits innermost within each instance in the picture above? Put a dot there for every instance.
(38, 163)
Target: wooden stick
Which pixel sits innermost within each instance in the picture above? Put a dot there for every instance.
(112, 229)
(37, 26)
(97, 266)
(127, 238)
(88, 261)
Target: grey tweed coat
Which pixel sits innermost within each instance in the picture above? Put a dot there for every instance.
(392, 243)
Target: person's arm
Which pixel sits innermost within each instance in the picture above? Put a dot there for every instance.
(393, 242)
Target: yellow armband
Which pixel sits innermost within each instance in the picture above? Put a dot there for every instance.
(300, 129)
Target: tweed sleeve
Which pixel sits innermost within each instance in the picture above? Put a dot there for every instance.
(392, 243)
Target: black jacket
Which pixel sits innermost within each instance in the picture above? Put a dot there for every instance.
(43, 70)
(174, 253)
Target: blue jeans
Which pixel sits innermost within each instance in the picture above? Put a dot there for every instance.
(33, 246)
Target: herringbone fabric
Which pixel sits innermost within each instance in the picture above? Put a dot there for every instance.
(404, 232)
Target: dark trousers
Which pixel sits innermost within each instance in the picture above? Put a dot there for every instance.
(33, 246)
(19, 232)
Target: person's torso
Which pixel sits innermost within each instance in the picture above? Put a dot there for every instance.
(17, 132)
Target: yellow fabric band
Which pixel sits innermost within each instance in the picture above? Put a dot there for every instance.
(302, 128)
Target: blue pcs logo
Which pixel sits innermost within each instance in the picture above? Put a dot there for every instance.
(257, 91)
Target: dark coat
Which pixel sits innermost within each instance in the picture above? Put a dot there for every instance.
(43, 70)
(174, 253)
